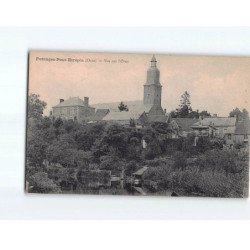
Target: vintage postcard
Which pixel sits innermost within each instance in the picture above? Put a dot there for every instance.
(138, 124)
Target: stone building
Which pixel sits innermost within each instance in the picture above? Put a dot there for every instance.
(74, 108)
(202, 128)
(224, 127)
(150, 110)
(152, 87)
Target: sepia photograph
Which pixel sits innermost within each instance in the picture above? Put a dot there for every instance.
(124, 124)
(138, 124)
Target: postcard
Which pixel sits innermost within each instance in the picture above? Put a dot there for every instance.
(138, 124)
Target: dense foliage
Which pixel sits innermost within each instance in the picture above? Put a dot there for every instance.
(66, 156)
(240, 115)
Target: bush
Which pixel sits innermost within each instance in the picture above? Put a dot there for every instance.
(205, 183)
(157, 177)
(40, 183)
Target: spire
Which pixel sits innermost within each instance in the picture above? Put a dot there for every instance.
(153, 61)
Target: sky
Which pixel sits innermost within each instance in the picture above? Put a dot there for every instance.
(216, 84)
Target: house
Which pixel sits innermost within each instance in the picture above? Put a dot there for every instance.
(183, 125)
(223, 127)
(204, 129)
(74, 108)
(242, 132)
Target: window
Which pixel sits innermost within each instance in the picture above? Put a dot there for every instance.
(229, 136)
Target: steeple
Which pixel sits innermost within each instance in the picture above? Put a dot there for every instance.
(152, 88)
(153, 62)
(153, 73)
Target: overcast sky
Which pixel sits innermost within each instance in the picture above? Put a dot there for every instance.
(216, 84)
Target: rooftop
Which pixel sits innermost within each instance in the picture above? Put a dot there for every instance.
(122, 115)
(141, 171)
(185, 123)
(134, 112)
(217, 121)
(100, 114)
(157, 118)
(72, 101)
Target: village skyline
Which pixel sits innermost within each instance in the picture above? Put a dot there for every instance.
(217, 84)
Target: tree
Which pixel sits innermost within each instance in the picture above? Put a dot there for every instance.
(152, 150)
(36, 148)
(236, 113)
(58, 123)
(122, 107)
(132, 123)
(245, 114)
(84, 140)
(185, 109)
(194, 114)
(130, 168)
(112, 163)
(116, 139)
(62, 151)
(35, 106)
(185, 105)
(180, 161)
(240, 115)
(36, 140)
(162, 128)
(40, 183)
(173, 114)
(204, 113)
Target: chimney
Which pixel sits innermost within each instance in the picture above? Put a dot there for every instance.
(165, 111)
(86, 101)
(61, 100)
(214, 115)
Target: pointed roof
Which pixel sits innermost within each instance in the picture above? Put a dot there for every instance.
(156, 110)
(185, 123)
(153, 59)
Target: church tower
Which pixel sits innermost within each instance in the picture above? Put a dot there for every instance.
(152, 88)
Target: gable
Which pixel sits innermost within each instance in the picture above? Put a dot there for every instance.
(185, 124)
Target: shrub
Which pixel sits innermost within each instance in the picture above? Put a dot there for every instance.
(40, 183)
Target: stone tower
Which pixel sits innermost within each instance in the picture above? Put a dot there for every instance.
(152, 88)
